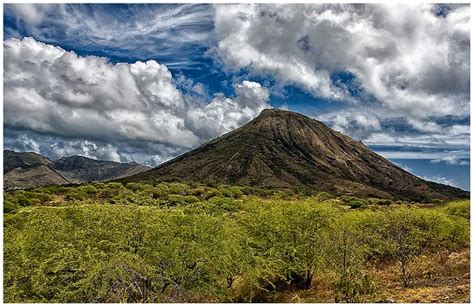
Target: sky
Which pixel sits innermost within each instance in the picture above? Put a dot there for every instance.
(147, 82)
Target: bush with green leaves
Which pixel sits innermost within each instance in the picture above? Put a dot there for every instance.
(177, 242)
(354, 202)
(293, 235)
(458, 208)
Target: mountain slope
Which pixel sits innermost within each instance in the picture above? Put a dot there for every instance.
(81, 169)
(12, 160)
(287, 149)
(25, 178)
(27, 170)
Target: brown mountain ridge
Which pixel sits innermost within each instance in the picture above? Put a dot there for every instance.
(283, 149)
(25, 170)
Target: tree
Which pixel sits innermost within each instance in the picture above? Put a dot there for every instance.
(403, 239)
(347, 253)
(293, 236)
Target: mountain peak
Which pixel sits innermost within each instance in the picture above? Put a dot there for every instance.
(279, 113)
(286, 149)
(273, 111)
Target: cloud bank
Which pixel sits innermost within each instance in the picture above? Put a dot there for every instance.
(55, 92)
(408, 60)
(404, 55)
(384, 74)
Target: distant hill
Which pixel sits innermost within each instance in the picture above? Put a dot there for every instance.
(28, 170)
(287, 149)
(82, 169)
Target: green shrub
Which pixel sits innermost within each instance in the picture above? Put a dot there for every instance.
(232, 192)
(354, 202)
(212, 193)
(305, 192)
(180, 200)
(185, 243)
(458, 208)
(23, 200)
(10, 206)
(379, 201)
(76, 195)
(134, 186)
(350, 287)
(246, 190)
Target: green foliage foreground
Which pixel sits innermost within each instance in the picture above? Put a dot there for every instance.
(179, 243)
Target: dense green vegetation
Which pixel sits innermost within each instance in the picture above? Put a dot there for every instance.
(174, 242)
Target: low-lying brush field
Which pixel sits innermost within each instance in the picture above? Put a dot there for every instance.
(176, 242)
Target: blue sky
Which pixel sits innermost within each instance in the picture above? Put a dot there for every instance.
(146, 82)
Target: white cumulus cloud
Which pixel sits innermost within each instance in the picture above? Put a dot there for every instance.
(407, 57)
(225, 114)
(56, 92)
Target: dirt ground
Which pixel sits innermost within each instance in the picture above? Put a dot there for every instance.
(438, 278)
